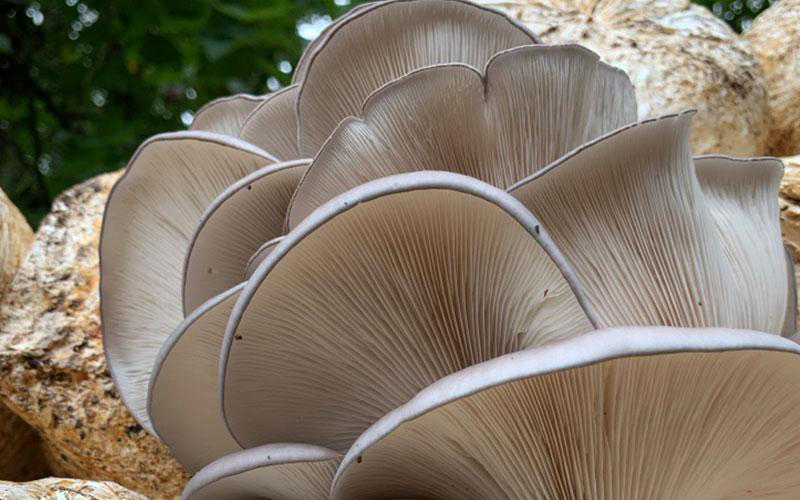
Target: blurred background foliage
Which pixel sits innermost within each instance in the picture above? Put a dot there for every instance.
(83, 82)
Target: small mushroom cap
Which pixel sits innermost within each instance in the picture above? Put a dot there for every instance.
(272, 125)
(247, 213)
(183, 395)
(149, 218)
(657, 239)
(529, 106)
(623, 414)
(381, 292)
(280, 471)
(226, 114)
(386, 40)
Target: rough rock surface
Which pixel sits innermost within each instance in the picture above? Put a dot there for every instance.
(678, 56)
(790, 212)
(15, 239)
(52, 368)
(774, 38)
(66, 489)
(21, 458)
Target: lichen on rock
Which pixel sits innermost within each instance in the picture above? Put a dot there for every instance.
(52, 366)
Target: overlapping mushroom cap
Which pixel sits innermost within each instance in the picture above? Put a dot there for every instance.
(386, 280)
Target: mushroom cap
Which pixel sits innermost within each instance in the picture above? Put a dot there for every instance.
(379, 293)
(773, 37)
(282, 471)
(385, 40)
(790, 320)
(623, 414)
(238, 221)
(149, 218)
(713, 70)
(529, 106)
(657, 239)
(225, 115)
(184, 383)
(272, 125)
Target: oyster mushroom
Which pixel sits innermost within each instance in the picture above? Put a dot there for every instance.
(184, 383)
(342, 70)
(236, 223)
(525, 109)
(678, 56)
(225, 115)
(623, 413)
(656, 238)
(381, 292)
(150, 216)
(281, 471)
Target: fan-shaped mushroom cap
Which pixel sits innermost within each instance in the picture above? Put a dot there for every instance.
(226, 114)
(274, 471)
(183, 396)
(239, 220)
(656, 243)
(622, 414)
(531, 105)
(149, 218)
(381, 292)
(272, 125)
(677, 54)
(386, 40)
(774, 37)
(261, 254)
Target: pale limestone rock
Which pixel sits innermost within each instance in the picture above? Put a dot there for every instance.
(52, 368)
(774, 38)
(790, 212)
(15, 239)
(678, 56)
(66, 489)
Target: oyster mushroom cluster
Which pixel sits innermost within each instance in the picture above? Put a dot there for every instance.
(448, 263)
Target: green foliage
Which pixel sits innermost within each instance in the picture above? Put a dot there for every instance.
(738, 13)
(83, 82)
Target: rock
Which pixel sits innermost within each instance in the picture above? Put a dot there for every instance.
(774, 38)
(789, 201)
(15, 239)
(52, 368)
(678, 56)
(21, 457)
(66, 489)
